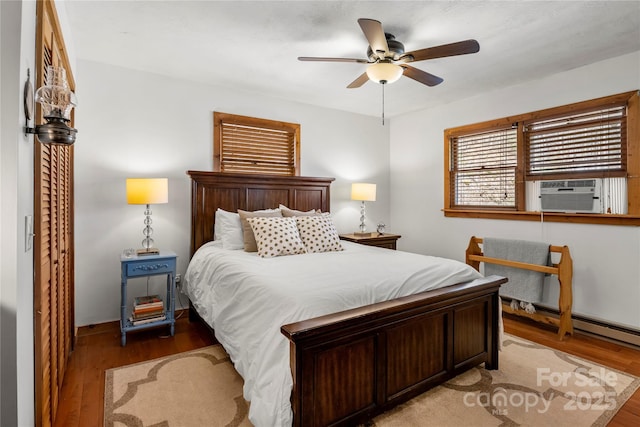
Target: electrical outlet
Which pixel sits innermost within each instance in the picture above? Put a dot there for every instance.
(178, 278)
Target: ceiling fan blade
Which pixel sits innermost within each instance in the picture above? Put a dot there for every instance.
(362, 79)
(452, 49)
(421, 76)
(374, 33)
(313, 58)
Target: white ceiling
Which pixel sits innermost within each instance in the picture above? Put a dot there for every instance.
(254, 45)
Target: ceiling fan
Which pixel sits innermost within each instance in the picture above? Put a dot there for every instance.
(388, 60)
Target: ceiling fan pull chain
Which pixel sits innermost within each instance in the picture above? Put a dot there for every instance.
(382, 103)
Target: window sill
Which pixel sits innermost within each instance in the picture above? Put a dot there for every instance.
(576, 218)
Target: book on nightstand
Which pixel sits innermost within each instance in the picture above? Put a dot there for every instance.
(144, 320)
(147, 301)
(146, 314)
(148, 308)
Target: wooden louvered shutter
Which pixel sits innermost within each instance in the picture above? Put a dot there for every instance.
(53, 240)
(250, 145)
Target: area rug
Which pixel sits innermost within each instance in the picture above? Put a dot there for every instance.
(192, 389)
(534, 386)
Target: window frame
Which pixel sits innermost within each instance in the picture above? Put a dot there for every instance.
(221, 119)
(453, 170)
(631, 99)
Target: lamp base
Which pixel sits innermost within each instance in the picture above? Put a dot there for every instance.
(148, 251)
(362, 234)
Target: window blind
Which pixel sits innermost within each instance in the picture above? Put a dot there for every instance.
(483, 167)
(243, 144)
(255, 149)
(591, 141)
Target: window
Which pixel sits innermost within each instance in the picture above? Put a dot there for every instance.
(483, 169)
(250, 145)
(492, 167)
(591, 142)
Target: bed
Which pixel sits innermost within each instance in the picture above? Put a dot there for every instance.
(344, 367)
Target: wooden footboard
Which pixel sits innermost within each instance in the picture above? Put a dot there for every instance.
(350, 366)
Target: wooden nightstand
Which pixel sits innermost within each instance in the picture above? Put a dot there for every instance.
(144, 266)
(385, 240)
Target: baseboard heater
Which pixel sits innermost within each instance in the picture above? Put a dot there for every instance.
(600, 328)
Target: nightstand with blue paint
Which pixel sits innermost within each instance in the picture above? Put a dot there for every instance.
(138, 266)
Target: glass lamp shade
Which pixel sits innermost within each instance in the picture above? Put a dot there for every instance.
(384, 72)
(363, 191)
(56, 98)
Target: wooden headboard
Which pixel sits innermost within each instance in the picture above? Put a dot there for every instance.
(250, 192)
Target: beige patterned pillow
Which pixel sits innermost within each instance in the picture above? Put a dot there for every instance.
(292, 212)
(318, 233)
(276, 236)
(247, 232)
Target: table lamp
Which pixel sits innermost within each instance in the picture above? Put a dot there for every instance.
(365, 193)
(147, 191)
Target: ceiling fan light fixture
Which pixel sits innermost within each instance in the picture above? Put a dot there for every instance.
(384, 72)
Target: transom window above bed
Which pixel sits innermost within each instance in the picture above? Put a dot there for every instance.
(244, 144)
(495, 169)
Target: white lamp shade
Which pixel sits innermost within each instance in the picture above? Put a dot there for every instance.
(384, 72)
(147, 191)
(363, 191)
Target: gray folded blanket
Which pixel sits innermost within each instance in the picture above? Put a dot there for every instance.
(523, 285)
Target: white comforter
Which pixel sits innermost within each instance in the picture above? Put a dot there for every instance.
(246, 299)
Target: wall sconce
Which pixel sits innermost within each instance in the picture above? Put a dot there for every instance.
(147, 191)
(365, 193)
(57, 101)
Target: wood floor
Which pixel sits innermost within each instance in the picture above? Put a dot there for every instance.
(98, 348)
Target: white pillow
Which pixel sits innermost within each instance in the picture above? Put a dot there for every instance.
(228, 230)
(276, 236)
(318, 233)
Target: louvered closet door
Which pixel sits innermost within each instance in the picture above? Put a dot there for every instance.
(54, 327)
(43, 286)
(53, 242)
(65, 326)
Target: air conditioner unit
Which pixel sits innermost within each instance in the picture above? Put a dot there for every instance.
(571, 195)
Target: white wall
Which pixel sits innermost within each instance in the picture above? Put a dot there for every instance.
(3, 252)
(136, 124)
(606, 259)
(16, 183)
(139, 124)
